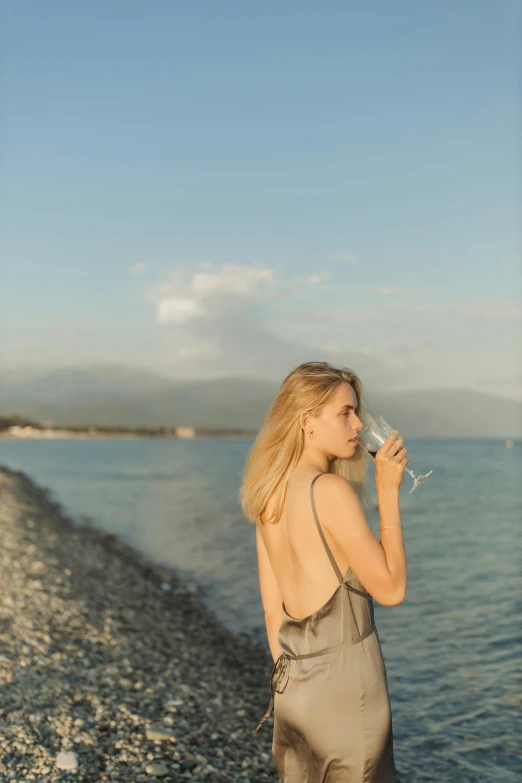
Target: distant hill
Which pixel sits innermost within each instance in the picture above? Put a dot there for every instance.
(140, 398)
(450, 413)
(75, 386)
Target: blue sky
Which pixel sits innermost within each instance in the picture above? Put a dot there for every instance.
(207, 188)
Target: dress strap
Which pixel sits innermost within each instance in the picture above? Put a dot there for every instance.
(328, 550)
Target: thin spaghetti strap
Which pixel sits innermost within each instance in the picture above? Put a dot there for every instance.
(328, 550)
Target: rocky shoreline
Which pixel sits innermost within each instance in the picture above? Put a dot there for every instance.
(112, 669)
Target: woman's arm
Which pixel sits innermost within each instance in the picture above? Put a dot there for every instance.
(271, 596)
(273, 623)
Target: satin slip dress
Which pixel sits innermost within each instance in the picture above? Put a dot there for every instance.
(329, 691)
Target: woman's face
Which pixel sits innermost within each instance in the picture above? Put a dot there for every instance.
(338, 424)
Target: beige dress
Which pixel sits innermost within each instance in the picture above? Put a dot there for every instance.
(329, 691)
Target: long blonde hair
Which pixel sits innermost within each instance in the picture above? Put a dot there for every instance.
(279, 443)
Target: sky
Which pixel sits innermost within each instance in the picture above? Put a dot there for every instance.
(208, 189)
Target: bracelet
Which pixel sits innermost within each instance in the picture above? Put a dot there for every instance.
(385, 526)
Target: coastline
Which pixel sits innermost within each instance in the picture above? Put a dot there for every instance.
(111, 657)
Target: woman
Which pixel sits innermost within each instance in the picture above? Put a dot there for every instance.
(304, 489)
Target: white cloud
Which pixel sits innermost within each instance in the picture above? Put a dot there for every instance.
(231, 279)
(175, 310)
(400, 314)
(314, 279)
(187, 295)
(388, 290)
(225, 316)
(239, 319)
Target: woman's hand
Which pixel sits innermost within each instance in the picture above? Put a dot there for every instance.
(390, 462)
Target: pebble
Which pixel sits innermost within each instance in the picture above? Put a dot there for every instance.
(67, 759)
(159, 770)
(159, 733)
(108, 675)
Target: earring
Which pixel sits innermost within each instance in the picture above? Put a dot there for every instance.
(310, 434)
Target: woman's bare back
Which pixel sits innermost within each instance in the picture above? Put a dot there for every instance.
(298, 558)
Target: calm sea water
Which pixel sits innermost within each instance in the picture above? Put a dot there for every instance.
(452, 649)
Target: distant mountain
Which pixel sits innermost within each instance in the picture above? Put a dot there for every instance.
(75, 386)
(139, 398)
(451, 413)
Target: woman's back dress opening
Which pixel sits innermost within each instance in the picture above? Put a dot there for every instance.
(332, 715)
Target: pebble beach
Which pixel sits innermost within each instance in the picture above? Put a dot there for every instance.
(111, 668)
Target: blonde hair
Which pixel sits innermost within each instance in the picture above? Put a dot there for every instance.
(279, 443)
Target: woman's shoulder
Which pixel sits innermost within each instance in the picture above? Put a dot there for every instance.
(334, 497)
(321, 482)
(332, 481)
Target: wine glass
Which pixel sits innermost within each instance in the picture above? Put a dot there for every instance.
(373, 435)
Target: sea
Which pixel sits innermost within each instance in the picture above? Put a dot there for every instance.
(452, 649)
